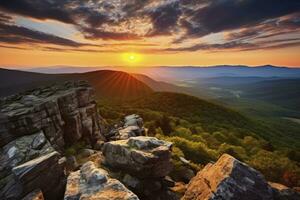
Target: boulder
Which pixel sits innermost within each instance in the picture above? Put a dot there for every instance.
(91, 182)
(20, 151)
(129, 131)
(133, 120)
(45, 172)
(66, 113)
(139, 156)
(228, 179)
(132, 127)
(281, 192)
(71, 163)
(86, 153)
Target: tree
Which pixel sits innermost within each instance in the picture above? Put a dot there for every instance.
(165, 125)
(151, 130)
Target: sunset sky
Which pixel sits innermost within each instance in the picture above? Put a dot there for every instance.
(35, 33)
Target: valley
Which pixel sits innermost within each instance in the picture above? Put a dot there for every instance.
(210, 118)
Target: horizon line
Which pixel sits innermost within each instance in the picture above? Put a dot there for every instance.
(148, 66)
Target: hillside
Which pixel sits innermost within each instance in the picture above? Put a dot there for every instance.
(159, 86)
(202, 131)
(283, 92)
(108, 84)
(174, 74)
(212, 117)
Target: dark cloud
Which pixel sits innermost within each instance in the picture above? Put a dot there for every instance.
(164, 19)
(239, 46)
(268, 29)
(185, 19)
(205, 47)
(45, 9)
(93, 34)
(224, 15)
(5, 18)
(13, 34)
(17, 34)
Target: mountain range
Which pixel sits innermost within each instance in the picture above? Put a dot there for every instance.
(107, 83)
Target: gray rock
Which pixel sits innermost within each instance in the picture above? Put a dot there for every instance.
(93, 183)
(281, 192)
(131, 181)
(140, 156)
(228, 179)
(39, 141)
(130, 131)
(71, 163)
(20, 151)
(86, 153)
(43, 172)
(132, 127)
(133, 120)
(66, 113)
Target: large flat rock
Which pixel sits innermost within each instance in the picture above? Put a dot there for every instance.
(140, 156)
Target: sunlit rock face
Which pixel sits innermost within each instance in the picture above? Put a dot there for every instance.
(140, 156)
(66, 113)
(142, 164)
(281, 192)
(91, 182)
(228, 179)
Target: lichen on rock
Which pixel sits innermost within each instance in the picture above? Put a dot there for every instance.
(91, 182)
(66, 113)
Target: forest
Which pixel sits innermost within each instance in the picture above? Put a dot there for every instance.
(202, 131)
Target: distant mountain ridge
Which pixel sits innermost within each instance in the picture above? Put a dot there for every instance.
(164, 73)
(188, 73)
(107, 83)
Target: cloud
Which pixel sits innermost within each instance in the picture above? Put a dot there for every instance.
(55, 10)
(13, 34)
(238, 46)
(243, 21)
(219, 47)
(271, 28)
(164, 19)
(224, 15)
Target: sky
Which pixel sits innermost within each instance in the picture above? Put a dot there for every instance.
(35, 33)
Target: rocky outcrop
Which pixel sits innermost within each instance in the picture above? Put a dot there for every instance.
(228, 179)
(36, 124)
(132, 127)
(65, 113)
(45, 172)
(141, 156)
(20, 151)
(281, 192)
(133, 120)
(91, 182)
(142, 163)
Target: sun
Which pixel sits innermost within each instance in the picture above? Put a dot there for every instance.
(131, 58)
